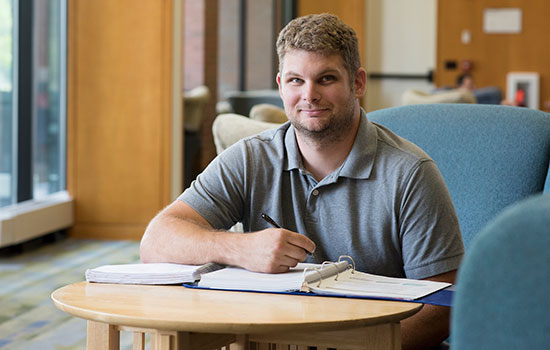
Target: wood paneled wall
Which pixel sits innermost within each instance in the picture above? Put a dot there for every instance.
(119, 114)
(351, 12)
(493, 55)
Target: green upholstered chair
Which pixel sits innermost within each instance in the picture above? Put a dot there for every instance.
(502, 298)
(490, 156)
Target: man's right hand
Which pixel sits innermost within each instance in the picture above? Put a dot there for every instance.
(273, 250)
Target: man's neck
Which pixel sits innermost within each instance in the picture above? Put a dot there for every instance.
(322, 158)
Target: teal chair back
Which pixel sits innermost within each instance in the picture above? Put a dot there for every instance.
(502, 298)
(489, 155)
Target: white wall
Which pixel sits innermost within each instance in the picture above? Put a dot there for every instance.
(401, 39)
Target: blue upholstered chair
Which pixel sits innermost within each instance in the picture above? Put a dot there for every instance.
(502, 300)
(489, 155)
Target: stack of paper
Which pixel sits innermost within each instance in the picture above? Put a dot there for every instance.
(154, 273)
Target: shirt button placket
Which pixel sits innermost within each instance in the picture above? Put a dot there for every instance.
(311, 216)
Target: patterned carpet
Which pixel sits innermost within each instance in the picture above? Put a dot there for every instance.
(28, 318)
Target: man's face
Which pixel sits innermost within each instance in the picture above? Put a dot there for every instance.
(319, 98)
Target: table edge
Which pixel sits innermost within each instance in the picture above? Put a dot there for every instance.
(221, 327)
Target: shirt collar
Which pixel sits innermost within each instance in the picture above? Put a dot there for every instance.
(293, 156)
(360, 161)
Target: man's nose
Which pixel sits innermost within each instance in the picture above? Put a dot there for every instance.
(310, 93)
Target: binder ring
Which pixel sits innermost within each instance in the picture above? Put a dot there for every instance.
(316, 270)
(350, 259)
(331, 263)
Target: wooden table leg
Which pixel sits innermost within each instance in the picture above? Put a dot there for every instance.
(102, 336)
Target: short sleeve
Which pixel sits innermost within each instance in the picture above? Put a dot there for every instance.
(431, 238)
(218, 193)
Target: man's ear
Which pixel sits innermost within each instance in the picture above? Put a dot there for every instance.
(278, 79)
(360, 82)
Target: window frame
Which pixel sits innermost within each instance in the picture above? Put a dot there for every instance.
(30, 217)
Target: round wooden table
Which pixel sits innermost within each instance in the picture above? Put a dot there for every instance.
(183, 318)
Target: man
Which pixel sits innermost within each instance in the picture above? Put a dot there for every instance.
(337, 184)
(465, 81)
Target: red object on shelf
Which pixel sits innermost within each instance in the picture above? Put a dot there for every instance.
(520, 98)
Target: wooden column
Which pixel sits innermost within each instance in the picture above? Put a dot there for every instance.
(119, 114)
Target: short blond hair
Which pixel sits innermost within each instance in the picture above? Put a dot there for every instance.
(322, 33)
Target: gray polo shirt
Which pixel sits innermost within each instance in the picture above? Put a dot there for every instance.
(386, 206)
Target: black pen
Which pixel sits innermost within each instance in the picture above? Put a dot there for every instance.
(276, 225)
(270, 220)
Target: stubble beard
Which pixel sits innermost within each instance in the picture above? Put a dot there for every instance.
(334, 130)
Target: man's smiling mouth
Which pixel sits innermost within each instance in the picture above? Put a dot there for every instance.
(312, 111)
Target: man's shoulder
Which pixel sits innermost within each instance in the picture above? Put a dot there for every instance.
(269, 140)
(270, 136)
(265, 144)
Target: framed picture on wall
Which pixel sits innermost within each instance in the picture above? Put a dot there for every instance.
(523, 89)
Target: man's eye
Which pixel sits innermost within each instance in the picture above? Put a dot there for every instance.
(327, 78)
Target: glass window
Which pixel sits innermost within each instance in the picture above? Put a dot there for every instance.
(32, 119)
(7, 168)
(48, 126)
(32, 99)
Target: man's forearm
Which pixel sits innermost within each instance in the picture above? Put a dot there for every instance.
(426, 329)
(430, 326)
(169, 238)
